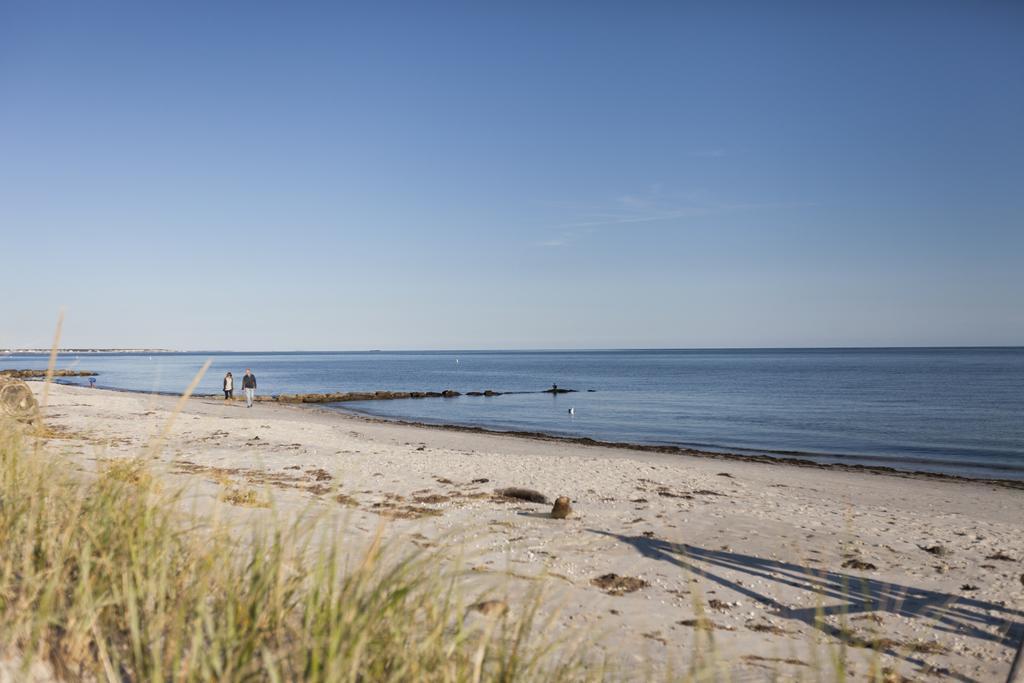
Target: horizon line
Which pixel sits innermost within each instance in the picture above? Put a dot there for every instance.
(144, 350)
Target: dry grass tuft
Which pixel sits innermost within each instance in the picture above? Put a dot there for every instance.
(131, 471)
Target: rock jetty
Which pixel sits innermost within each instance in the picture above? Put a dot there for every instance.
(347, 396)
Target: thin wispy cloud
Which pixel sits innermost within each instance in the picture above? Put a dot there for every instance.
(652, 207)
(559, 242)
(709, 153)
(611, 219)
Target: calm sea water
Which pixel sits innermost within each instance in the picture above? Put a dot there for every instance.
(946, 410)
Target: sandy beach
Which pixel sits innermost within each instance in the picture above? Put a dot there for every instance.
(778, 564)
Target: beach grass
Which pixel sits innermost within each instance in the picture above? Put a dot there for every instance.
(106, 577)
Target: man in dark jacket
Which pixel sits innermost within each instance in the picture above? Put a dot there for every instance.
(249, 385)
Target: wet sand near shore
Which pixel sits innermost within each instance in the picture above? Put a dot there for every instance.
(779, 563)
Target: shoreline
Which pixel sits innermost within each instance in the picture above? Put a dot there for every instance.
(782, 457)
(785, 457)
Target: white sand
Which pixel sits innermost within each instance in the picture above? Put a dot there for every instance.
(768, 542)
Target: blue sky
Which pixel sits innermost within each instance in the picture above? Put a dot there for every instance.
(533, 175)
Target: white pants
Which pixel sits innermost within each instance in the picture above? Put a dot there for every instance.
(249, 392)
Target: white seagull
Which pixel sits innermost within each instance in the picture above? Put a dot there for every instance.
(572, 411)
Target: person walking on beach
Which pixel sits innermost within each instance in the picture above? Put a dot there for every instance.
(249, 385)
(229, 386)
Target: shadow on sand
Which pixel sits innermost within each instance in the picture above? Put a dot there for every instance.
(841, 593)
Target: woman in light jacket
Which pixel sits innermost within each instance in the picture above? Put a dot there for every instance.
(229, 386)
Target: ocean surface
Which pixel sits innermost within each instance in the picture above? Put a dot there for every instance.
(957, 411)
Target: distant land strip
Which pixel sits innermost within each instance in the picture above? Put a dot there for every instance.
(38, 351)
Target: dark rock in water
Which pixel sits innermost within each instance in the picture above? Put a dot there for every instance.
(558, 390)
(432, 394)
(562, 508)
(613, 584)
(474, 393)
(449, 393)
(529, 495)
(492, 393)
(937, 550)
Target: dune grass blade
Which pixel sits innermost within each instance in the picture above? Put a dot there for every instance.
(51, 364)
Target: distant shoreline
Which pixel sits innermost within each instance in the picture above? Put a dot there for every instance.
(46, 352)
